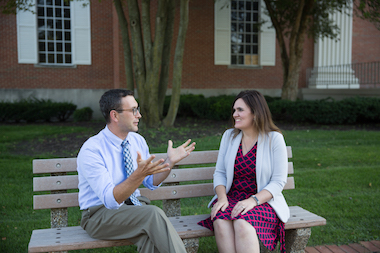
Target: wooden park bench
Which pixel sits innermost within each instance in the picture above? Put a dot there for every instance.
(54, 177)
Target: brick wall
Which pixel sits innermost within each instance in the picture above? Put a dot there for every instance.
(365, 41)
(95, 76)
(199, 71)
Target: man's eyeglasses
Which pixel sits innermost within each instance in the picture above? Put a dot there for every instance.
(133, 110)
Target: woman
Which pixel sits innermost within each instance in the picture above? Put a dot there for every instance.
(251, 172)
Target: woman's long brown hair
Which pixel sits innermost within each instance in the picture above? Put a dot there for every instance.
(258, 106)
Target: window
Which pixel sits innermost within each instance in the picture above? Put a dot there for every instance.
(244, 32)
(54, 32)
(238, 39)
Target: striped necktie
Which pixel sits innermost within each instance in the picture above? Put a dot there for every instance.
(129, 168)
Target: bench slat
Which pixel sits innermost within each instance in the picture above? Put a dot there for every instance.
(193, 174)
(289, 184)
(67, 238)
(290, 168)
(60, 200)
(63, 200)
(200, 157)
(41, 166)
(55, 183)
(301, 218)
(195, 157)
(289, 149)
(54, 165)
(187, 227)
(179, 191)
(69, 182)
(46, 240)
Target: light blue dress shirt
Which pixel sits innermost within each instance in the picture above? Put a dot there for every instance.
(100, 168)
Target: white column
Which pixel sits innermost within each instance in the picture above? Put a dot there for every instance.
(332, 57)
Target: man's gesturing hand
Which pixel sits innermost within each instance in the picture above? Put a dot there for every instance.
(177, 154)
(144, 168)
(147, 167)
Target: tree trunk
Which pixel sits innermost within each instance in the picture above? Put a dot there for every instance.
(290, 82)
(291, 58)
(154, 57)
(178, 62)
(123, 23)
(146, 68)
(151, 55)
(165, 63)
(290, 85)
(138, 52)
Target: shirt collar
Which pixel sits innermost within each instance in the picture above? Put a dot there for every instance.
(112, 137)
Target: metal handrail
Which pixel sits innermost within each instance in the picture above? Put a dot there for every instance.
(363, 75)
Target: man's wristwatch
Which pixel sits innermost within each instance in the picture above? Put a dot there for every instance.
(256, 199)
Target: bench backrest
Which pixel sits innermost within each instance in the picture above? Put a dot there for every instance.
(61, 177)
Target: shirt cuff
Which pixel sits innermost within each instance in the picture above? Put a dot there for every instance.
(148, 183)
(110, 201)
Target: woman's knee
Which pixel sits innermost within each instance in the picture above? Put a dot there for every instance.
(243, 228)
(223, 227)
(219, 224)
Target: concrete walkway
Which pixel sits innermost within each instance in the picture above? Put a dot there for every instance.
(362, 247)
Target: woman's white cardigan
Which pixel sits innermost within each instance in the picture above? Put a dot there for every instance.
(271, 167)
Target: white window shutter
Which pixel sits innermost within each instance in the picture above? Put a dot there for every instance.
(81, 33)
(267, 44)
(27, 37)
(222, 37)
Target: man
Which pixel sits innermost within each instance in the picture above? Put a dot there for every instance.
(108, 195)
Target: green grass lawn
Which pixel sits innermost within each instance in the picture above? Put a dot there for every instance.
(337, 176)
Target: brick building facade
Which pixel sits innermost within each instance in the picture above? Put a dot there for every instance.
(200, 73)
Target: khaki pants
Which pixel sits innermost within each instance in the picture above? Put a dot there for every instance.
(146, 226)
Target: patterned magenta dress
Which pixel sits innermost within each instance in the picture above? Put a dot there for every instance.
(269, 228)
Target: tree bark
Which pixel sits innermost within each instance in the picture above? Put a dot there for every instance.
(150, 55)
(138, 52)
(165, 63)
(280, 38)
(292, 57)
(153, 73)
(178, 63)
(123, 23)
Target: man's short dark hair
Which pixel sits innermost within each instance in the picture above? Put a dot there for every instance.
(111, 100)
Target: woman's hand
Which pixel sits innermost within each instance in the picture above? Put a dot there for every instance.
(242, 207)
(222, 204)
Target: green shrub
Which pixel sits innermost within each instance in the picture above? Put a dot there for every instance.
(220, 107)
(84, 114)
(64, 110)
(17, 111)
(281, 109)
(5, 111)
(327, 111)
(32, 110)
(191, 105)
(363, 109)
(217, 107)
